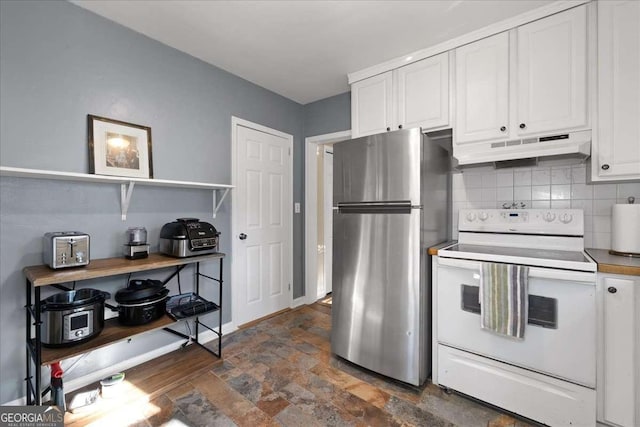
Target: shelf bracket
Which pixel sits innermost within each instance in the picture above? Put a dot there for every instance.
(125, 197)
(217, 203)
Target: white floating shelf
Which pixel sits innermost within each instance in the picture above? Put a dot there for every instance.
(219, 191)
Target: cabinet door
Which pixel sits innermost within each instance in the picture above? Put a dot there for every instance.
(552, 74)
(423, 93)
(482, 90)
(618, 390)
(371, 105)
(616, 150)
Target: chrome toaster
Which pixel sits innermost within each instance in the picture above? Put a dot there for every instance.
(64, 249)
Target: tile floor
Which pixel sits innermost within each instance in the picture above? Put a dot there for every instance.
(281, 372)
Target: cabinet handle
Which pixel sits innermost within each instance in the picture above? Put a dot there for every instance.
(503, 128)
(612, 290)
(242, 236)
(605, 167)
(522, 126)
(399, 126)
(388, 129)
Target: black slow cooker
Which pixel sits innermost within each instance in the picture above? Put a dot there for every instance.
(141, 302)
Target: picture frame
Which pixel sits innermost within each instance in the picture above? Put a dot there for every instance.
(119, 148)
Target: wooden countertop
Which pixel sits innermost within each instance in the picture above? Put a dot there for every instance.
(615, 264)
(433, 250)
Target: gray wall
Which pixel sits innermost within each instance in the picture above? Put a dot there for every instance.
(328, 115)
(59, 63)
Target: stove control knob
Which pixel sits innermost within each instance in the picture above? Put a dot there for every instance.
(471, 216)
(549, 216)
(565, 218)
(483, 216)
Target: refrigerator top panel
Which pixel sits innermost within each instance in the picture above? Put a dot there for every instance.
(378, 168)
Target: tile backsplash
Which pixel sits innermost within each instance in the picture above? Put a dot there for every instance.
(542, 188)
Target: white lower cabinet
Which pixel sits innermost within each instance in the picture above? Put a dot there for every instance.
(618, 383)
(616, 144)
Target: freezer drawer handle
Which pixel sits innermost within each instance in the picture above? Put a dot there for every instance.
(392, 207)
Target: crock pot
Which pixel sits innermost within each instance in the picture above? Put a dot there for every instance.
(72, 317)
(141, 302)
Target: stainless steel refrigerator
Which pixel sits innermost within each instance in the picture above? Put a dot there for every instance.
(391, 199)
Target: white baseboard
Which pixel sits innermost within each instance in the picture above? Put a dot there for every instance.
(298, 302)
(85, 380)
(207, 335)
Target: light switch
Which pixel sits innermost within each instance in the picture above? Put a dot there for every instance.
(296, 207)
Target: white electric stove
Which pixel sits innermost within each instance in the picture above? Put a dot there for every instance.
(549, 376)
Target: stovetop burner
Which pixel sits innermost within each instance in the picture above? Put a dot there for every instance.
(536, 237)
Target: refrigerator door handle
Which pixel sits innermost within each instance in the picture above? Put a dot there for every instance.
(399, 206)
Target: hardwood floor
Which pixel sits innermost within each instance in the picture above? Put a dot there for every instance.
(278, 372)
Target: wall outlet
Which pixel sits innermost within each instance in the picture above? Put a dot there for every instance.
(296, 207)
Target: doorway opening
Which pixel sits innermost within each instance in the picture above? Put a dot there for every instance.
(318, 218)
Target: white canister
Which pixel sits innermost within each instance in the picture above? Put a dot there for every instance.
(625, 229)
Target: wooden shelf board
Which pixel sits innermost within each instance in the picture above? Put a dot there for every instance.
(113, 332)
(42, 275)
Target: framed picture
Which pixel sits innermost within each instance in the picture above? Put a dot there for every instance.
(119, 148)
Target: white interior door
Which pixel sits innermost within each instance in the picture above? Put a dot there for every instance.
(262, 224)
(328, 217)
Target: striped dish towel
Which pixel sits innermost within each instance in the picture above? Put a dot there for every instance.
(504, 300)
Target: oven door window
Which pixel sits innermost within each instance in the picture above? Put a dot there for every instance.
(543, 311)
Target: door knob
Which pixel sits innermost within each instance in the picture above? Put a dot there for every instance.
(612, 290)
(242, 236)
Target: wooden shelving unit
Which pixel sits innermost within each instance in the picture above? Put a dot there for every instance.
(42, 275)
(38, 276)
(113, 332)
(219, 191)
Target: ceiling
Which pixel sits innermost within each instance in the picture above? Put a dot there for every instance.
(303, 50)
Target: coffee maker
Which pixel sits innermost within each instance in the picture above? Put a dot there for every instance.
(136, 246)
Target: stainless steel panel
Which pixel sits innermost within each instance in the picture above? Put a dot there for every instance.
(377, 292)
(435, 190)
(378, 168)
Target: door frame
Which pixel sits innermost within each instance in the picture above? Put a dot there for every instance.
(311, 207)
(235, 123)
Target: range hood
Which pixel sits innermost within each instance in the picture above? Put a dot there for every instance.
(576, 144)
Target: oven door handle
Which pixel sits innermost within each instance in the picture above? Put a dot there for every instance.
(534, 272)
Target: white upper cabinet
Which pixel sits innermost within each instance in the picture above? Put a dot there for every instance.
(552, 73)
(482, 90)
(371, 105)
(416, 95)
(616, 144)
(529, 81)
(422, 93)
